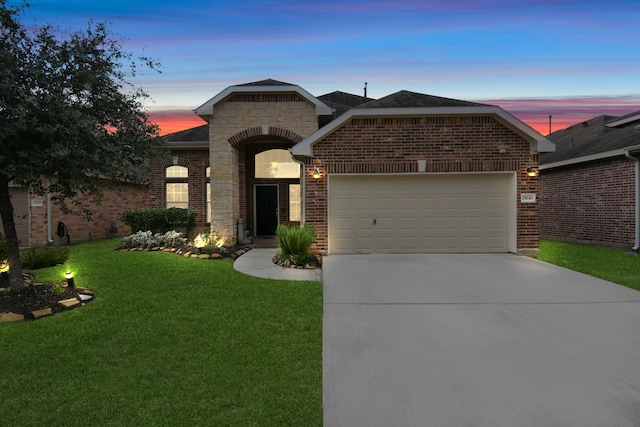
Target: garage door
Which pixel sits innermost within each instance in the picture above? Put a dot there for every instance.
(419, 213)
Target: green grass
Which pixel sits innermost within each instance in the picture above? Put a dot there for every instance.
(605, 263)
(168, 341)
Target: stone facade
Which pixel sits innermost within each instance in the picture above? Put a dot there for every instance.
(590, 202)
(249, 120)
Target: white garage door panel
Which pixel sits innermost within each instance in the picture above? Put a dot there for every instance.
(426, 213)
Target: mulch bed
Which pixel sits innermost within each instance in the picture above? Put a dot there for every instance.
(39, 296)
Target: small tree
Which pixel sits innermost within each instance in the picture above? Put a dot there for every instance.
(70, 122)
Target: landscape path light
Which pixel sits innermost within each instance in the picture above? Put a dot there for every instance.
(69, 276)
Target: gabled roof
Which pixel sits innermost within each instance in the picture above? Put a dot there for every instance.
(342, 101)
(625, 120)
(344, 98)
(405, 103)
(267, 82)
(597, 138)
(405, 98)
(197, 137)
(264, 86)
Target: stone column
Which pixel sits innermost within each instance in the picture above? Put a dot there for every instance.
(225, 204)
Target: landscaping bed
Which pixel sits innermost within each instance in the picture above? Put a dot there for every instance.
(169, 340)
(40, 299)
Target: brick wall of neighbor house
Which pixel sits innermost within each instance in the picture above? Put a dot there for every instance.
(450, 144)
(79, 227)
(590, 203)
(196, 161)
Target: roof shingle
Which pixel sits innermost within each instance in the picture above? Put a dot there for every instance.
(591, 137)
(407, 99)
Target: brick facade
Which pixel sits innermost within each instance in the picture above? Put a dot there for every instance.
(590, 203)
(449, 144)
(196, 161)
(80, 229)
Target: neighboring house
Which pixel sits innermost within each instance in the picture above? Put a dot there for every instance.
(405, 173)
(590, 186)
(37, 219)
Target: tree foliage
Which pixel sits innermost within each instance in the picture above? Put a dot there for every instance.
(70, 120)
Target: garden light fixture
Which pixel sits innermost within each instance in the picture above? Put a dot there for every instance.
(69, 277)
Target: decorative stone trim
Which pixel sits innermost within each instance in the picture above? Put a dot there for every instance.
(190, 252)
(241, 137)
(84, 296)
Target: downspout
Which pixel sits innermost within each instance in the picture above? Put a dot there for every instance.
(303, 176)
(49, 239)
(627, 153)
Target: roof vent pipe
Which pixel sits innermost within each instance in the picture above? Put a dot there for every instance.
(365, 89)
(637, 179)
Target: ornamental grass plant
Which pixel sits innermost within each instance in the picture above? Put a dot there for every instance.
(295, 243)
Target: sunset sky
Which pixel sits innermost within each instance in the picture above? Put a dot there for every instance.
(570, 59)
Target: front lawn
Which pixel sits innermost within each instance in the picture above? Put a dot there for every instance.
(609, 264)
(168, 341)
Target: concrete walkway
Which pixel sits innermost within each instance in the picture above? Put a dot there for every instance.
(258, 263)
(476, 340)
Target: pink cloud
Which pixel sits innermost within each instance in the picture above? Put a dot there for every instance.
(565, 111)
(171, 121)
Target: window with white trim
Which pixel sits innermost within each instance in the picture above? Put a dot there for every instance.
(294, 202)
(276, 164)
(177, 187)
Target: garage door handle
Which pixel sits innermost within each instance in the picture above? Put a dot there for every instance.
(374, 221)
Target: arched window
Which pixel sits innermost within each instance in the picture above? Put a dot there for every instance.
(177, 187)
(177, 172)
(276, 164)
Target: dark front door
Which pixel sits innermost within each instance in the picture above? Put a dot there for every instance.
(266, 210)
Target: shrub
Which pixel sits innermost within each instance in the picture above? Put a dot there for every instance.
(159, 220)
(42, 257)
(147, 239)
(295, 243)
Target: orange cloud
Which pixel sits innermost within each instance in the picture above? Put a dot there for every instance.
(171, 121)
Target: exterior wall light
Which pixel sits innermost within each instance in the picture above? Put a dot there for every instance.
(316, 174)
(69, 276)
(532, 171)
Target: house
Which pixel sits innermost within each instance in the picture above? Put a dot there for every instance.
(405, 173)
(591, 184)
(38, 221)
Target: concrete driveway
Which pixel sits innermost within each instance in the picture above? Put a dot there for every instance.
(476, 340)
